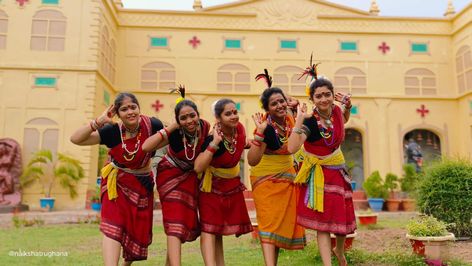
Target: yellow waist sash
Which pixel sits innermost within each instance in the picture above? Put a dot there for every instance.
(272, 164)
(110, 172)
(312, 173)
(219, 172)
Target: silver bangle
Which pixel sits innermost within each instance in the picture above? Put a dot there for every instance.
(297, 130)
(214, 146)
(163, 133)
(258, 138)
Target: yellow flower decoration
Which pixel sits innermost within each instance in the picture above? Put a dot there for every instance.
(307, 90)
(179, 100)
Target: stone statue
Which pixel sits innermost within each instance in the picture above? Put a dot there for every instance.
(10, 171)
(414, 155)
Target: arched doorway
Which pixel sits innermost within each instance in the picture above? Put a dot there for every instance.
(429, 145)
(354, 155)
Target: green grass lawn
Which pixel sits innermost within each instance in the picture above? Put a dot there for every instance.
(82, 242)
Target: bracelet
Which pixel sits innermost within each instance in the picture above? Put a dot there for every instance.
(348, 107)
(256, 143)
(259, 134)
(258, 138)
(297, 130)
(97, 124)
(167, 131)
(211, 149)
(213, 146)
(91, 126)
(163, 133)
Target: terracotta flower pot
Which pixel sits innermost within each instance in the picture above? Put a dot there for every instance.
(367, 218)
(409, 205)
(347, 243)
(431, 247)
(393, 205)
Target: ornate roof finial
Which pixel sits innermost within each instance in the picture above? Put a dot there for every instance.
(450, 11)
(197, 4)
(374, 8)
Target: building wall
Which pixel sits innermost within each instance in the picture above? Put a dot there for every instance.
(106, 48)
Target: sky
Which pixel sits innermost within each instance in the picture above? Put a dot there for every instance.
(404, 8)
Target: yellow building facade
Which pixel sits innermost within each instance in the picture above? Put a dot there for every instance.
(62, 62)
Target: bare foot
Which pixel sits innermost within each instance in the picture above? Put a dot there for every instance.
(341, 261)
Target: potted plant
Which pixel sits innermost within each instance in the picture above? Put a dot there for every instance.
(408, 187)
(349, 166)
(48, 170)
(428, 237)
(445, 192)
(347, 243)
(367, 217)
(96, 204)
(376, 191)
(391, 184)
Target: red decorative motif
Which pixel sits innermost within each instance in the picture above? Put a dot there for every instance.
(384, 48)
(157, 105)
(22, 2)
(194, 42)
(423, 111)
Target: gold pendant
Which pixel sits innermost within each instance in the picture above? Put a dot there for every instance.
(128, 159)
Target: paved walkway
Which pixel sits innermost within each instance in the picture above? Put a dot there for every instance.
(89, 216)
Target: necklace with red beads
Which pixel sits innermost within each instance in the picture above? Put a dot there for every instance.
(190, 142)
(230, 143)
(129, 155)
(282, 132)
(325, 132)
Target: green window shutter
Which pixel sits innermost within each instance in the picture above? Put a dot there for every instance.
(348, 46)
(233, 44)
(50, 2)
(419, 47)
(159, 42)
(45, 82)
(238, 106)
(288, 44)
(354, 110)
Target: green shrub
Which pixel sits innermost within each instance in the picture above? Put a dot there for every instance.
(445, 192)
(426, 225)
(391, 182)
(374, 187)
(410, 179)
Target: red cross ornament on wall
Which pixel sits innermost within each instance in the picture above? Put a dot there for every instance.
(423, 111)
(22, 2)
(194, 42)
(157, 105)
(384, 48)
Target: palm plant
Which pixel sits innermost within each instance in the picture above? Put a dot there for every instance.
(49, 169)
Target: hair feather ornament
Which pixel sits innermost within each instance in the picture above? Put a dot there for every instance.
(267, 78)
(181, 91)
(310, 71)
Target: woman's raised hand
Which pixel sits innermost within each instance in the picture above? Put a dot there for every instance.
(217, 138)
(107, 116)
(260, 122)
(302, 111)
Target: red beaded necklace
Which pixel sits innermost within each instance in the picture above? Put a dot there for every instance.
(284, 132)
(230, 144)
(326, 133)
(192, 144)
(129, 155)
